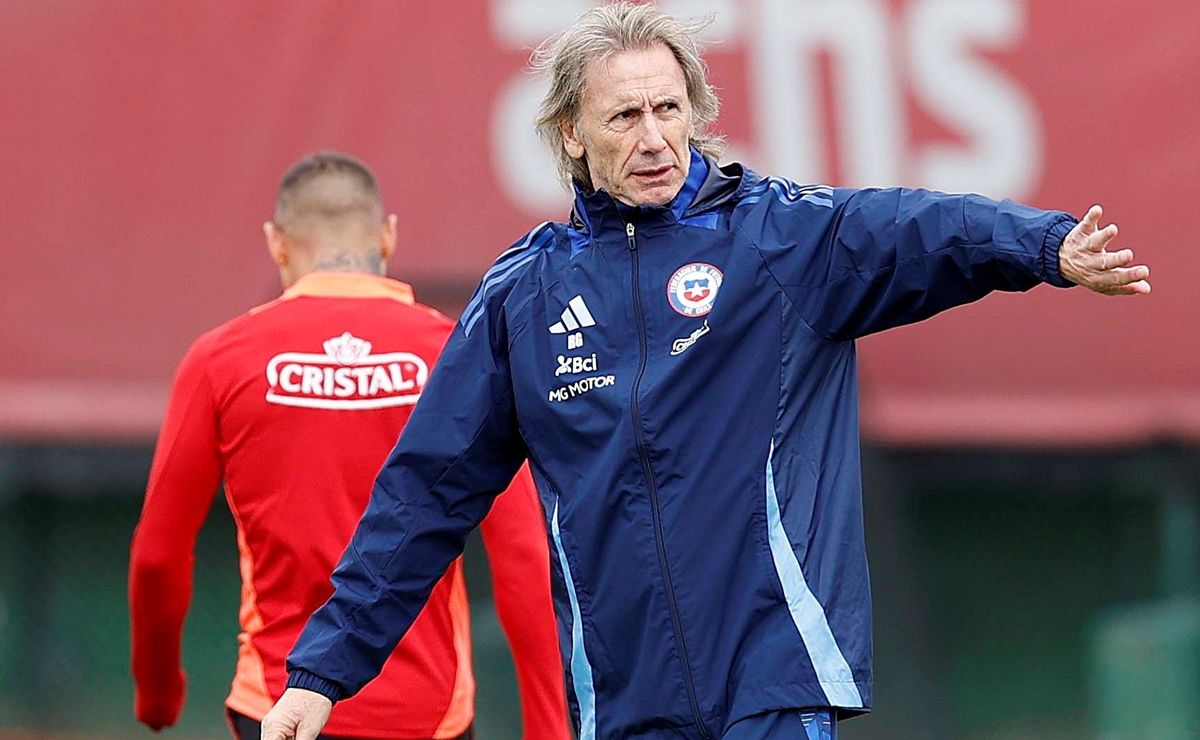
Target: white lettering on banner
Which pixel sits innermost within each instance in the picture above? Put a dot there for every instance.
(522, 161)
(525, 23)
(346, 377)
(581, 386)
(878, 51)
(997, 118)
(784, 80)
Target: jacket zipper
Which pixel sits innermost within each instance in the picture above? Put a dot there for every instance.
(654, 507)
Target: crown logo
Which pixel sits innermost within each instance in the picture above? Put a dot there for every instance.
(347, 349)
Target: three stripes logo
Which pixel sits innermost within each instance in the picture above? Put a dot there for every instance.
(574, 317)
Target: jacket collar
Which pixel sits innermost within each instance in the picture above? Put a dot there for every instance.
(707, 185)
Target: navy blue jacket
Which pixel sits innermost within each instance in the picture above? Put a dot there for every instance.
(683, 381)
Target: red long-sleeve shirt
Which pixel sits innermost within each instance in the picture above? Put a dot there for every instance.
(296, 404)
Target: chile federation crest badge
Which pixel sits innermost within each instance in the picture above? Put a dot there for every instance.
(693, 288)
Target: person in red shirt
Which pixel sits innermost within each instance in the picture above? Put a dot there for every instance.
(296, 404)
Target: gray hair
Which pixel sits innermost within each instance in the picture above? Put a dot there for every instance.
(598, 34)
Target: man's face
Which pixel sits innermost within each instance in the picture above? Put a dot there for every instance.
(634, 125)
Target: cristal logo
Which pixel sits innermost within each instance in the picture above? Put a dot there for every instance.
(347, 349)
(346, 377)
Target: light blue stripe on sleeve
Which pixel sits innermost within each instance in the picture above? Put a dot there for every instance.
(581, 670)
(789, 192)
(505, 265)
(833, 672)
(468, 323)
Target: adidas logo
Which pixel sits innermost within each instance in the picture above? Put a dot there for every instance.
(575, 316)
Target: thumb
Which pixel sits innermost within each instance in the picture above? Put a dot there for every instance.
(276, 729)
(308, 729)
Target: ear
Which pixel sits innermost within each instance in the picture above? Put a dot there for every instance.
(571, 141)
(387, 240)
(276, 244)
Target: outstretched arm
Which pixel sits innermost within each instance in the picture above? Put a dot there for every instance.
(855, 262)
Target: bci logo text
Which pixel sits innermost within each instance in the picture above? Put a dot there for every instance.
(575, 365)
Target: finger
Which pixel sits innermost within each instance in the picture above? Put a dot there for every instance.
(1140, 287)
(1117, 259)
(1099, 240)
(308, 731)
(1125, 275)
(274, 731)
(1091, 220)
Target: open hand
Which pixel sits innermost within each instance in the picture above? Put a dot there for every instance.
(1084, 259)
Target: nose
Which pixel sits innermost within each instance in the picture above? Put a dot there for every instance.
(651, 140)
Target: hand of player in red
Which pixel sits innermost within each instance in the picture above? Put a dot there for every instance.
(158, 706)
(1084, 260)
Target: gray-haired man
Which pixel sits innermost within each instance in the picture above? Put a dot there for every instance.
(677, 362)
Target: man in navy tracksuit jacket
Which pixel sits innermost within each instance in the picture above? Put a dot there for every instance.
(682, 378)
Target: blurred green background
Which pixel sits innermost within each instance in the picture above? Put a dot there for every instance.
(1017, 596)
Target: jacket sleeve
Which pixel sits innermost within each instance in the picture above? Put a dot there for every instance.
(855, 262)
(519, 556)
(183, 480)
(460, 448)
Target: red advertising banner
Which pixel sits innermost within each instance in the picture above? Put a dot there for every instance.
(141, 143)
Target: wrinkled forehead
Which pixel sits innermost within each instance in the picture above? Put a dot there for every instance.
(634, 76)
